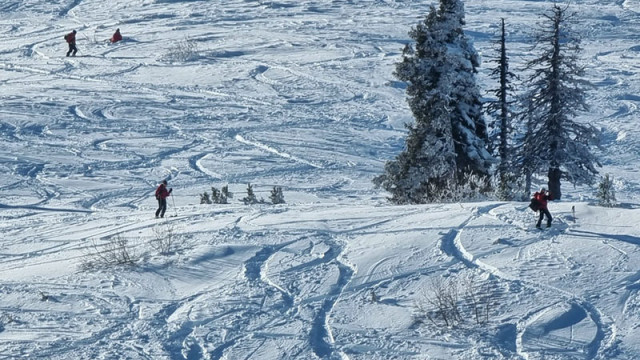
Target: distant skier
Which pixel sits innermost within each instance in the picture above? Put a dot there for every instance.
(71, 40)
(116, 36)
(161, 195)
(542, 197)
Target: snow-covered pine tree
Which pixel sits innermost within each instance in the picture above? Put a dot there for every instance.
(204, 198)
(556, 94)
(226, 194)
(449, 138)
(524, 160)
(500, 109)
(606, 193)
(251, 197)
(220, 196)
(277, 197)
(215, 196)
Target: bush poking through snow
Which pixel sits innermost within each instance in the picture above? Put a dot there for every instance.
(251, 197)
(471, 188)
(443, 304)
(606, 193)
(165, 240)
(115, 252)
(183, 50)
(440, 304)
(479, 299)
(221, 196)
(205, 199)
(277, 197)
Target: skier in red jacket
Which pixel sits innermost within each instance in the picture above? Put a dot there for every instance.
(543, 196)
(161, 195)
(116, 36)
(71, 40)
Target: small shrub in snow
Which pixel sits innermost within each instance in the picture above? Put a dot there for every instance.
(116, 251)
(440, 304)
(606, 194)
(479, 299)
(277, 197)
(444, 304)
(251, 197)
(221, 196)
(470, 188)
(183, 50)
(165, 240)
(204, 198)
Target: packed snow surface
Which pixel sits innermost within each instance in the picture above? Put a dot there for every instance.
(297, 94)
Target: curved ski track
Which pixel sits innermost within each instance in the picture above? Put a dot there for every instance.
(604, 340)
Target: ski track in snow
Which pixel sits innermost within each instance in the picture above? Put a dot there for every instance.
(605, 336)
(241, 139)
(292, 93)
(320, 336)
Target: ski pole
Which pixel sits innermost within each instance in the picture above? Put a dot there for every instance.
(174, 205)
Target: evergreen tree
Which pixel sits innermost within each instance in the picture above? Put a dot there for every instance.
(220, 196)
(606, 193)
(215, 196)
(448, 140)
(277, 197)
(251, 197)
(204, 198)
(560, 145)
(226, 194)
(524, 160)
(501, 110)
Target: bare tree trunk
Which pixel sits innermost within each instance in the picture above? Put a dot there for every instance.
(554, 183)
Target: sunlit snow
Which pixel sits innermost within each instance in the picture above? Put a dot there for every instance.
(298, 94)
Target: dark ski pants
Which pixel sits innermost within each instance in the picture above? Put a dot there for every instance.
(544, 212)
(162, 207)
(72, 48)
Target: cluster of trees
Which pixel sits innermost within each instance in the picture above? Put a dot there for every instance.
(223, 195)
(451, 153)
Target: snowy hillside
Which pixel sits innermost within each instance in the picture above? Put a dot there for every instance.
(297, 94)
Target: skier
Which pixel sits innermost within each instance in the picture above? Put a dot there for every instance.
(116, 36)
(161, 195)
(71, 40)
(542, 197)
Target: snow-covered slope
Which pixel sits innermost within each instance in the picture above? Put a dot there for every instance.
(297, 94)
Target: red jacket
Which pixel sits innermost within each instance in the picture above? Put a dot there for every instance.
(162, 192)
(116, 36)
(542, 198)
(70, 37)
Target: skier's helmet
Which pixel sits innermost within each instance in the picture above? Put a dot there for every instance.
(164, 182)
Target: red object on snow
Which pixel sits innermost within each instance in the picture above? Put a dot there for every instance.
(71, 37)
(116, 36)
(542, 198)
